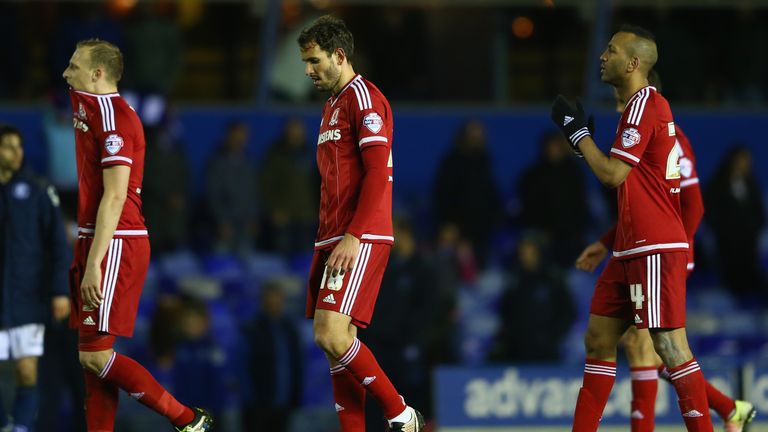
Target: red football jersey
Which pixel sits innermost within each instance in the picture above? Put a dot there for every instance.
(649, 198)
(108, 132)
(357, 117)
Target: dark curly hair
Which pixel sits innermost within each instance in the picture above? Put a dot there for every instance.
(329, 33)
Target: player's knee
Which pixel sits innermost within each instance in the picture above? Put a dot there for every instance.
(333, 343)
(26, 373)
(94, 361)
(598, 345)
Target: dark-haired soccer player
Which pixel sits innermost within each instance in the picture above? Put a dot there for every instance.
(355, 236)
(644, 283)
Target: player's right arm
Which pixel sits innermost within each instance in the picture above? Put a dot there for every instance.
(115, 180)
(610, 171)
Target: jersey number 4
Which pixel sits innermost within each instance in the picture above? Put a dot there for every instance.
(673, 161)
(636, 295)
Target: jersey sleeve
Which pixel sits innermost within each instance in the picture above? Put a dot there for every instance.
(116, 138)
(688, 175)
(372, 118)
(636, 129)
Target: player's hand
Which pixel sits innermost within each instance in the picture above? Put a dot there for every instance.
(60, 307)
(591, 257)
(572, 121)
(90, 287)
(343, 256)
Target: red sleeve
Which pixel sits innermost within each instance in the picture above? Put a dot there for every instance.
(375, 182)
(609, 237)
(692, 207)
(116, 138)
(372, 120)
(636, 128)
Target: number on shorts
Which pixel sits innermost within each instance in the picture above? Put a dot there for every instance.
(636, 294)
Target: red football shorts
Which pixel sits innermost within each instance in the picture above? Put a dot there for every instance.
(123, 271)
(648, 290)
(355, 292)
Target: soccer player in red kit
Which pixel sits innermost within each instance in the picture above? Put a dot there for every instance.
(646, 284)
(645, 365)
(112, 249)
(354, 238)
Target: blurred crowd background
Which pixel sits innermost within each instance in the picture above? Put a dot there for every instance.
(491, 208)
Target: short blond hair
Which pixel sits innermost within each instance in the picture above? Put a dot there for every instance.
(103, 53)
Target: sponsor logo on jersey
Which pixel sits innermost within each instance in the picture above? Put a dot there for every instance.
(671, 128)
(334, 117)
(113, 143)
(137, 395)
(373, 122)
(331, 134)
(638, 320)
(329, 299)
(636, 414)
(368, 380)
(674, 190)
(566, 120)
(630, 137)
(78, 124)
(339, 408)
(21, 191)
(693, 413)
(89, 321)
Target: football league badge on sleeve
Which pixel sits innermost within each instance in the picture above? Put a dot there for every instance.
(113, 143)
(373, 122)
(630, 137)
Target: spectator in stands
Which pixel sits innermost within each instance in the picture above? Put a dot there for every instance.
(288, 184)
(165, 189)
(199, 355)
(412, 339)
(232, 192)
(535, 296)
(274, 364)
(553, 199)
(736, 214)
(466, 194)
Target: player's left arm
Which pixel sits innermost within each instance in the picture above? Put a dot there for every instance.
(110, 208)
(59, 252)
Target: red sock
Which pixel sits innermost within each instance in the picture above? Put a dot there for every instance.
(361, 363)
(645, 384)
(722, 404)
(130, 376)
(691, 393)
(596, 387)
(100, 403)
(349, 395)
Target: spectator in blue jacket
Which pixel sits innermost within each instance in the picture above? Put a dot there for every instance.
(34, 258)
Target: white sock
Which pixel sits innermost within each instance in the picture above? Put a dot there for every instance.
(403, 417)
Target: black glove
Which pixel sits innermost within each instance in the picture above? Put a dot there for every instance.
(572, 121)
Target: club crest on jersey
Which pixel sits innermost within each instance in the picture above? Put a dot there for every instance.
(113, 143)
(334, 118)
(373, 122)
(630, 137)
(81, 112)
